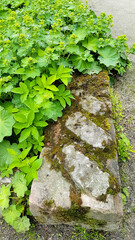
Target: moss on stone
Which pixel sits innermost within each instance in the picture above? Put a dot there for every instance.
(114, 186)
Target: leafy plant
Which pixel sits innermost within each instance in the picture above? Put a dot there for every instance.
(124, 195)
(124, 146)
(41, 43)
(83, 234)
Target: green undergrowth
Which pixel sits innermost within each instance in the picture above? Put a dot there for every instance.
(41, 43)
(124, 146)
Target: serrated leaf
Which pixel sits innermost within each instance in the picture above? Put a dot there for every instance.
(81, 33)
(19, 184)
(5, 156)
(91, 43)
(11, 214)
(93, 68)
(4, 196)
(31, 73)
(53, 111)
(6, 123)
(108, 56)
(21, 224)
(19, 71)
(73, 49)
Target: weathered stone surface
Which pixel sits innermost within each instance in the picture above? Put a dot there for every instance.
(87, 130)
(78, 182)
(86, 174)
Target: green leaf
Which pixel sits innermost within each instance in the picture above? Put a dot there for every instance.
(53, 111)
(5, 153)
(125, 191)
(19, 71)
(73, 49)
(4, 196)
(81, 33)
(11, 214)
(25, 134)
(108, 56)
(35, 133)
(20, 117)
(91, 43)
(62, 101)
(21, 224)
(40, 124)
(37, 164)
(19, 184)
(24, 153)
(6, 123)
(93, 68)
(31, 73)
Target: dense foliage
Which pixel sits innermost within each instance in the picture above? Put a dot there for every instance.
(41, 43)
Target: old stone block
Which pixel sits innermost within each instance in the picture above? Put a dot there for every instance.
(78, 182)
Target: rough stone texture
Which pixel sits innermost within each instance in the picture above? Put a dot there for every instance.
(78, 182)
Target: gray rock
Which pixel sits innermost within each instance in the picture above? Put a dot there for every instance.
(78, 182)
(92, 105)
(87, 130)
(51, 186)
(86, 174)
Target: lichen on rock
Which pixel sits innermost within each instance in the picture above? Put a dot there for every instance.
(78, 182)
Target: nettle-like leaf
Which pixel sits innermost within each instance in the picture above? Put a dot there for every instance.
(19, 184)
(11, 214)
(6, 123)
(7, 153)
(108, 56)
(23, 90)
(4, 196)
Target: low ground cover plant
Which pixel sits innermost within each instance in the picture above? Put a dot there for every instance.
(41, 43)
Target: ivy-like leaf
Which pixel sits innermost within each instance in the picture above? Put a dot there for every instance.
(6, 123)
(19, 184)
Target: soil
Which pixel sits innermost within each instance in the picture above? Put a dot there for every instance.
(125, 88)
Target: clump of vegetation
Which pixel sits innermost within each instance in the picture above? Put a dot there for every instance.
(41, 43)
(83, 234)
